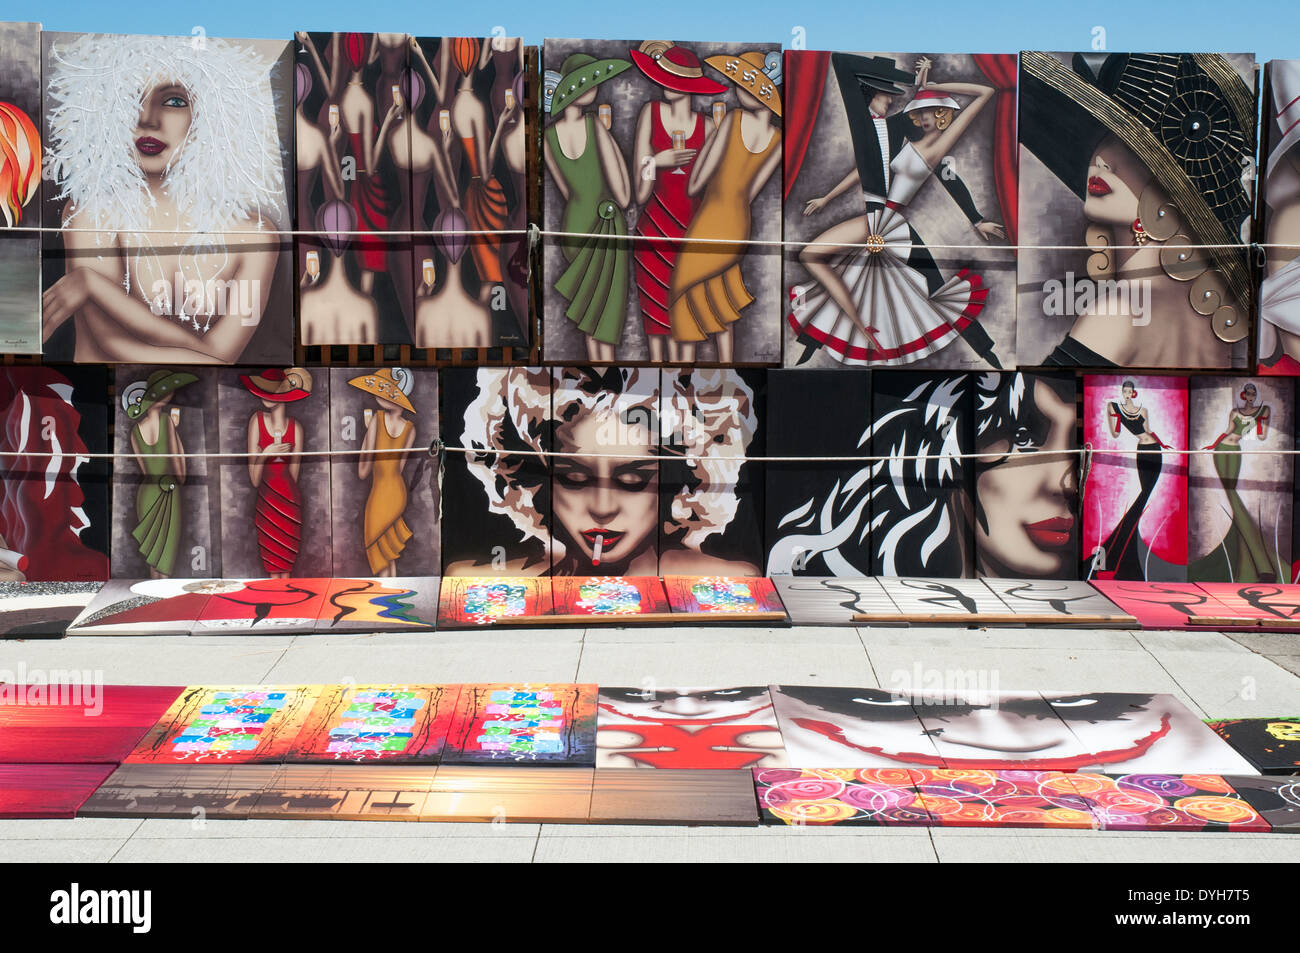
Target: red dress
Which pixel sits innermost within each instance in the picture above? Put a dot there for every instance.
(486, 211)
(278, 516)
(371, 203)
(667, 214)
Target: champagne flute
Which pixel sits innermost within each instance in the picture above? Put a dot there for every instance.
(313, 266)
(444, 120)
(334, 116)
(679, 142)
(606, 113)
(510, 99)
(426, 270)
(719, 112)
(175, 415)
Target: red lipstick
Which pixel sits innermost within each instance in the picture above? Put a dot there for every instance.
(150, 146)
(1097, 186)
(1051, 533)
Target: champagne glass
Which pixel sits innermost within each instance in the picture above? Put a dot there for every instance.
(444, 120)
(175, 415)
(313, 266)
(510, 99)
(369, 415)
(679, 142)
(606, 113)
(426, 270)
(719, 112)
(334, 116)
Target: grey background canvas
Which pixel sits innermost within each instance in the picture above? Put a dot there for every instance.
(20, 253)
(933, 213)
(757, 334)
(423, 553)
(200, 494)
(239, 553)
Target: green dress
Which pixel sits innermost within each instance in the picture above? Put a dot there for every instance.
(597, 281)
(158, 503)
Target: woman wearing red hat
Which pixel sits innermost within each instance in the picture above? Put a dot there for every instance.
(272, 435)
(663, 168)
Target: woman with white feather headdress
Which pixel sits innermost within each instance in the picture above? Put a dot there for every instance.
(166, 153)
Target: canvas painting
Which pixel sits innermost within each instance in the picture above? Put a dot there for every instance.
(1272, 745)
(851, 727)
(688, 728)
(167, 168)
(523, 724)
(391, 604)
(54, 512)
(77, 723)
(656, 154)
(146, 607)
(857, 797)
(385, 497)
(166, 504)
(1276, 800)
(966, 798)
(266, 499)
(1270, 604)
(1136, 179)
(180, 790)
(469, 601)
(940, 597)
(725, 595)
(312, 792)
(42, 610)
(674, 797)
(831, 600)
(502, 794)
(369, 724)
(262, 606)
(1055, 597)
(1278, 342)
(612, 597)
(1135, 494)
(900, 187)
(48, 790)
(1174, 801)
(20, 170)
(1169, 605)
(227, 725)
(469, 180)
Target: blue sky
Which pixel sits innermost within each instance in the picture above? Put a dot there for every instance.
(1263, 27)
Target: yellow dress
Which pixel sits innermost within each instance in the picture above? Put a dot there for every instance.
(707, 291)
(386, 531)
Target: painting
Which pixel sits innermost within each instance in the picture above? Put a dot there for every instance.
(384, 498)
(42, 610)
(921, 501)
(165, 189)
(1269, 605)
(469, 601)
(180, 790)
(1170, 605)
(1135, 494)
(523, 724)
(941, 597)
(368, 724)
(498, 420)
(262, 606)
(662, 160)
(1271, 745)
(727, 728)
(48, 790)
(1175, 801)
(668, 796)
(1238, 502)
(54, 512)
(315, 792)
(617, 598)
(973, 798)
(227, 725)
(875, 140)
(77, 723)
(851, 727)
(1062, 598)
(723, 595)
(831, 600)
(502, 794)
(166, 504)
(1276, 800)
(1136, 179)
(271, 415)
(1278, 342)
(469, 181)
(146, 607)
(853, 797)
(818, 511)
(1027, 481)
(20, 174)
(391, 604)
(353, 123)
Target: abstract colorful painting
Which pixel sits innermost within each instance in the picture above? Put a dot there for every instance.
(875, 140)
(166, 188)
(147, 606)
(190, 791)
(659, 156)
(312, 792)
(1136, 174)
(77, 723)
(723, 595)
(389, 724)
(831, 600)
(501, 794)
(1055, 597)
(42, 610)
(523, 724)
(54, 513)
(688, 728)
(1135, 494)
(1276, 800)
(166, 503)
(384, 498)
(619, 597)
(391, 604)
(469, 178)
(1272, 745)
(940, 597)
(1027, 485)
(48, 790)
(667, 796)
(275, 413)
(227, 725)
(1239, 502)
(1175, 801)
(353, 120)
(470, 601)
(869, 797)
(1009, 798)
(255, 606)
(20, 171)
(1278, 347)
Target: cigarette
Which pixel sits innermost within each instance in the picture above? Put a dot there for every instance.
(600, 544)
(18, 561)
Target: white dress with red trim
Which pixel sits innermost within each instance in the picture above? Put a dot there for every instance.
(908, 323)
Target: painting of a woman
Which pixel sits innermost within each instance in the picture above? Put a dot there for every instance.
(156, 443)
(388, 432)
(274, 437)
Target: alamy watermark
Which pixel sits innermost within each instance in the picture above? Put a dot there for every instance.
(1116, 297)
(65, 688)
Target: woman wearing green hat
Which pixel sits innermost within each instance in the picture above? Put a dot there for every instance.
(591, 173)
(159, 454)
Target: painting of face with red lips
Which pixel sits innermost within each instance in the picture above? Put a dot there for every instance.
(54, 506)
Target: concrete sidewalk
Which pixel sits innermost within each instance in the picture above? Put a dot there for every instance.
(1214, 675)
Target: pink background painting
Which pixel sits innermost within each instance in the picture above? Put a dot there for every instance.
(1113, 482)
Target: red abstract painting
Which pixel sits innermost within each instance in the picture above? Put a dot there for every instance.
(615, 596)
(77, 724)
(258, 605)
(1182, 802)
(239, 724)
(377, 723)
(1165, 605)
(874, 797)
(523, 724)
(722, 594)
(960, 798)
(468, 601)
(48, 790)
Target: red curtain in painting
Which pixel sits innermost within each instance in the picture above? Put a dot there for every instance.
(805, 78)
(1000, 69)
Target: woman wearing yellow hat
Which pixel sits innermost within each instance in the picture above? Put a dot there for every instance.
(384, 530)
